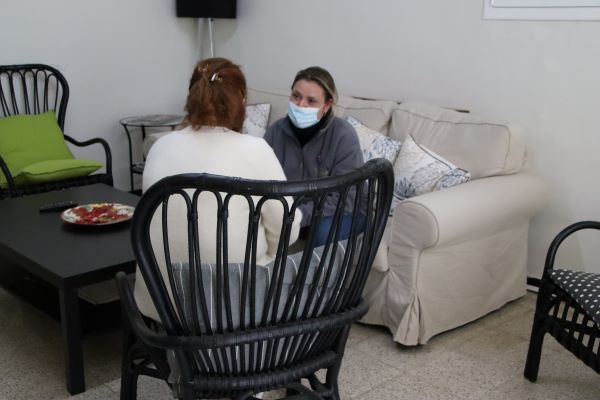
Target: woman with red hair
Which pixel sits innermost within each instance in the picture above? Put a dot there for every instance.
(210, 142)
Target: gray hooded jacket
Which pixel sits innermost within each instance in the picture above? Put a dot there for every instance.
(334, 150)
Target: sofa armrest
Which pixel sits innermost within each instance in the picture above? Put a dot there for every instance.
(469, 211)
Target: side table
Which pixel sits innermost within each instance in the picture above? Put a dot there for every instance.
(143, 122)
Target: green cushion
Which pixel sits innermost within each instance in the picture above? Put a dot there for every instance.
(55, 170)
(29, 139)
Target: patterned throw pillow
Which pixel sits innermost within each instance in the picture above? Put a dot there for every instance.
(374, 144)
(418, 170)
(257, 118)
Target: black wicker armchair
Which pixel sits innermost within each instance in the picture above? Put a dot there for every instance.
(231, 330)
(568, 308)
(36, 89)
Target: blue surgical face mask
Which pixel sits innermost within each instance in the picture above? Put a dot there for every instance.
(303, 117)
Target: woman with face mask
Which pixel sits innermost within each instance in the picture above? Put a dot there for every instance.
(311, 142)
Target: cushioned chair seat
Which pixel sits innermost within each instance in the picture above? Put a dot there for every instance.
(55, 170)
(584, 287)
(264, 274)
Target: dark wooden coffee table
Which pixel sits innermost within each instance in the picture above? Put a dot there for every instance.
(66, 256)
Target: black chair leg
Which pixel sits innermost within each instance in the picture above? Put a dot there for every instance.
(129, 385)
(333, 372)
(538, 331)
(334, 387)
(534, 354)
(129, 376)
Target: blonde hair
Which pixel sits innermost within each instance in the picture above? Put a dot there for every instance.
(322, 77)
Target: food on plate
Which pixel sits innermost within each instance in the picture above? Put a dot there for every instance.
(98, 214)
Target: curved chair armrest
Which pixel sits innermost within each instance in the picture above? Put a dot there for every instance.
(12, 188)
(100, 141)
(561, 236)
(134, 316)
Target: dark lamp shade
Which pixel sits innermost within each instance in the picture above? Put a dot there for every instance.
(206, 8)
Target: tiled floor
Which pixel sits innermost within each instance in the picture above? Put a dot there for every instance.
(483, 360)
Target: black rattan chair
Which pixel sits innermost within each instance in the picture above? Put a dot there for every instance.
(568, 308)
(35, 89)
(233, 330)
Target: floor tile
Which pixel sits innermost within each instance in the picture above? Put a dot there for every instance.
(523, 389)
(481, 360)
(410, 358)
(362, 372)
(360, 332)
(153, 389)
(97, 393)
(408, 387)
(114, 385)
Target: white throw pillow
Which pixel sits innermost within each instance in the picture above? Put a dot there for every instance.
(257, 118)
(418, 170)
(374, 144)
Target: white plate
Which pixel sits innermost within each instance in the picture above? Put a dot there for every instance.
(98, 214)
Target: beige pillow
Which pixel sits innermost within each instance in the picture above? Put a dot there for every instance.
(481, 145)
(374, 144)
(375, 114)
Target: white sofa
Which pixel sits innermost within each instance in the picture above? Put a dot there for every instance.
(450, 256)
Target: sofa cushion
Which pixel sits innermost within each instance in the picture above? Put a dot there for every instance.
(482, 147)
(373, 113)
(374, 144)
(418, 170)
(277, 100)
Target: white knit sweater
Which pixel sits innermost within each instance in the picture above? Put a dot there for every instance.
(222, 152)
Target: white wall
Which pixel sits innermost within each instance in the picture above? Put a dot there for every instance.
(134, 57)
(120, 58)
(540, 75)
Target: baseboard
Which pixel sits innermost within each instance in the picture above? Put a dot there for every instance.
(533, 284)
(533, 281)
